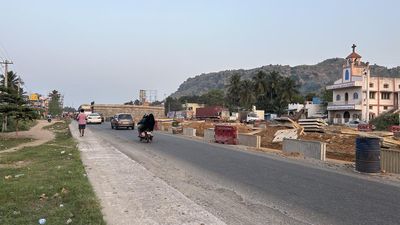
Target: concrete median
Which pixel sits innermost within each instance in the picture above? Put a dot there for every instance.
(209, 135)
(187, 131)
(250, 140)
(310, 149)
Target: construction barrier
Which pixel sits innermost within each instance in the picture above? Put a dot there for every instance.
(309, 149)
(226, 134)
(187, 131)
(364, 127)
(250, 140)
(209, 135)
(394, 129)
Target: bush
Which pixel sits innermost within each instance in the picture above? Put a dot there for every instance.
(22, 124)
(384, 121)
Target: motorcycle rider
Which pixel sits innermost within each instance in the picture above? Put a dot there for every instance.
(146, 124)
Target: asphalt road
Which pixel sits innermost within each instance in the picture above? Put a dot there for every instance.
(242, 187)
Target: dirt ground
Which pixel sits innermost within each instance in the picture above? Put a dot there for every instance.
(339, 146)
(267, 135)
(37, 133)
(200, 126)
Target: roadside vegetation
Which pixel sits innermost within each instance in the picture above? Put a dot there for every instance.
(268, 91)
(47, 182)
(384, 121)
(7, 143)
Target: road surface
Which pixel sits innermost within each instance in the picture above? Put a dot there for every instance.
(241, 187)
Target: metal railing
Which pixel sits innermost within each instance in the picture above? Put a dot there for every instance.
(390, 160)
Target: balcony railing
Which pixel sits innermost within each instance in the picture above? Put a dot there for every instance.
(344, 106)
(345, 85)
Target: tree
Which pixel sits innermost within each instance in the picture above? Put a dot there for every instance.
(14, 82)
(260, 83)
(172, 104)
(214, 98)
(233, 90)
(13, 104)
(69, 109)
(288, 89)
(246, 94)
(137, 102)
(55, 103)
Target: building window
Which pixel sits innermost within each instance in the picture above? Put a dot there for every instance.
(399, 86)
(346, 75)
(386, 86)
(355, 95)
(346, 96)
(385, 95)
(371, 107)
(371, 85)
(385, 107)
(372, 95)
(337, 97)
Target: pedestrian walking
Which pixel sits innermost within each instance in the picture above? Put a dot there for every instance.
(82, 122)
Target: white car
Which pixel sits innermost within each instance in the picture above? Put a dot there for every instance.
(94, 118)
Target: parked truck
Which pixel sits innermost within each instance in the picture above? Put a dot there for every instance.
(212, 112)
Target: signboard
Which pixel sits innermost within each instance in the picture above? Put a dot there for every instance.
(34, 97)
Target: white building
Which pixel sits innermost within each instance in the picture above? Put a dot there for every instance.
(358, 96)
(310, 109)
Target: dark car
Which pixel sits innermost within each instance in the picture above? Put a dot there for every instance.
(122, 120)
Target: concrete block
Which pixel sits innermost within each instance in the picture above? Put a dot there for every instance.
(209, 135)
(170, 130)
(310, 149)
(189, 131)
(281, 134)
(250, 140)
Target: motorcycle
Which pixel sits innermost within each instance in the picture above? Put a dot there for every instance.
(146, 136)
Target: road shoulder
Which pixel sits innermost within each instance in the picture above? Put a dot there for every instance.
(130, 194)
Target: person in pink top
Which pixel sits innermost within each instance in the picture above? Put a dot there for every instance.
(82, 122)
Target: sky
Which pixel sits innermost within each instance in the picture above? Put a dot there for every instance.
(106, 51)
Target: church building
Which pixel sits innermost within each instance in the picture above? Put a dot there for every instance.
(359, 96)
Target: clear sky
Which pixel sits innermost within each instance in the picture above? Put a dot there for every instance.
(107, 50)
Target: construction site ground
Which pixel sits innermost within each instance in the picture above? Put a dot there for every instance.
(340, 140)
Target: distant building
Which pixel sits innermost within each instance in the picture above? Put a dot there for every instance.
(191, 107)
(358, 96)
(310, 109)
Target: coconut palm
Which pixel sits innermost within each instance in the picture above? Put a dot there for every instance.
(233, 90)
(246, 94)
(260, 83)
(288, 89)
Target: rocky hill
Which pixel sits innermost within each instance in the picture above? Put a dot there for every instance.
(311, 78)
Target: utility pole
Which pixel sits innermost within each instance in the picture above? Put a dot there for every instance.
(367, 74)
(5, 118)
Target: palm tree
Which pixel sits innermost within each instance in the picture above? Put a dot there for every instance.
(273, 80)
(246, 94)
(13, 81)
(233, 89)
(289, 88)
(260, 83)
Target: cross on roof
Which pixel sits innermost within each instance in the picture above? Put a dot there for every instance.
(354, 47)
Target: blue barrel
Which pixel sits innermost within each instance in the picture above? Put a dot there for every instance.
(368, 155)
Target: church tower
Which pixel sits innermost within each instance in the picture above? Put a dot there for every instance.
(353, 69)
